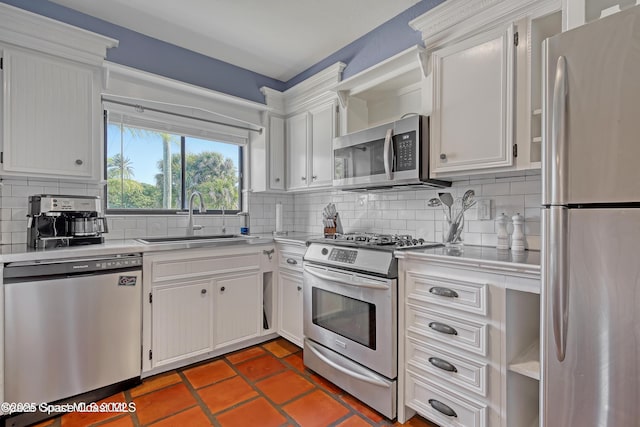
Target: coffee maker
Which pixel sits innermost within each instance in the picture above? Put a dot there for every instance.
(58, 221)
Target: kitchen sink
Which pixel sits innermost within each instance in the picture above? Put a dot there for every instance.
(212, 238)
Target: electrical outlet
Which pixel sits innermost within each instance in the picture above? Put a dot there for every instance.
(484, 209)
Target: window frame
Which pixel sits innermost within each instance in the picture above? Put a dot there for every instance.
(185, 200)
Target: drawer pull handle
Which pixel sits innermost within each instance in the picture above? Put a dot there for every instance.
(443, 292)
(442, 364)
(291, 261)
(222, 289)
(299, 288)
(204, 291)
(441, 327)
(442, 408)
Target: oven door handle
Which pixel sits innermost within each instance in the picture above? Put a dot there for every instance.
(362, 376)
(357, 282)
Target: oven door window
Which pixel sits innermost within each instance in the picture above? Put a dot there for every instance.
(349, 317)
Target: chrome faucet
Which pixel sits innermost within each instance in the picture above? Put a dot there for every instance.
(191, 227)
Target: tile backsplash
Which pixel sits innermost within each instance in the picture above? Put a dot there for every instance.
(397, 212)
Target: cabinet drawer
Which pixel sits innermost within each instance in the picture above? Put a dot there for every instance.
(443, 365)
(291, 260)
(168, 270)
(451, 293)
(443, 406)
(435, 327)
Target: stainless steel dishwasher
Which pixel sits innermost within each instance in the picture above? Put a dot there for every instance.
(71, 326)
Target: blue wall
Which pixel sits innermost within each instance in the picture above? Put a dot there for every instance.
(148, 54)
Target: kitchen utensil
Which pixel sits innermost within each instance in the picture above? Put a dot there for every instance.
(447, 199)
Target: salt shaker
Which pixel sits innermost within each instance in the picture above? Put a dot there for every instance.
(503, 236)
(518, 240)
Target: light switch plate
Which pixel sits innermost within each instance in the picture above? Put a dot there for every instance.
(484, 209)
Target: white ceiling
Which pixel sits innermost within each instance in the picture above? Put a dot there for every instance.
(276, 38)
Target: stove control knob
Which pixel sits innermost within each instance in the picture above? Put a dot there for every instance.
(324, 251)
(414, 241)
(400, 243)
(421, 241)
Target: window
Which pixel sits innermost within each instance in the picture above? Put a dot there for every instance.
(150, 169)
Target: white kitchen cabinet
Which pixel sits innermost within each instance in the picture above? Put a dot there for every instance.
(237, 308)
(200, 303)
(290, 291)
(385, 92)
(297, 140)
(290, 303)
(468, 340)
(51, 83)
(310, 147)
(182, 321)
(267, 156)
(579, 12)
(473, 90)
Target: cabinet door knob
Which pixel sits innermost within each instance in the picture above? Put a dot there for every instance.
(277, 179)
(443, 156)
(443, 328)
(299, 288)
(443, 292)
(314, 177)
(79, 162)
(222, 289)
(442, 408)
(304, 178)
(204, 291)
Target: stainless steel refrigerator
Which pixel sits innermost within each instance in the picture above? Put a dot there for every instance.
(591, 225)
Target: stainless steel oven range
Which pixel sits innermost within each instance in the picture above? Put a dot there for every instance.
(350, 314)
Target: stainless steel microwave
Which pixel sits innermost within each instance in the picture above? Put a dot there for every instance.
(388, 156)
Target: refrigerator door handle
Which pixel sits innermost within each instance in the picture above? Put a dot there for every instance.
(558, 134)
(558, 286)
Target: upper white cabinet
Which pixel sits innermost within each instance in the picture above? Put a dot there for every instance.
(384, 92)
(485, 64)
(267, 155)
(472, 121)
(297, 131)
(51, 115)
(579, 12)
(309, 147)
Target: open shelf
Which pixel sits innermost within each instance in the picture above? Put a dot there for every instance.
(527, 363)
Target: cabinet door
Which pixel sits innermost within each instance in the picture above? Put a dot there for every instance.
(297, 138)
(237, 308)
(290, 307)
(50, 114)
(472, 127)
(181, 321)
(276, 153)
(323, 130)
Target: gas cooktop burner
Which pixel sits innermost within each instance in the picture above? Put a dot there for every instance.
(391, 241)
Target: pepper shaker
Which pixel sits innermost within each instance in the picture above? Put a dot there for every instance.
(518, 239)
(503, 236)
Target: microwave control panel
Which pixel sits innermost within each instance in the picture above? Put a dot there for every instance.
(405, 151)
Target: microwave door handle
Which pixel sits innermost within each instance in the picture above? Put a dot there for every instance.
(388, 154)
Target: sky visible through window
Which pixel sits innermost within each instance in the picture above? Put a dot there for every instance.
(136, 159)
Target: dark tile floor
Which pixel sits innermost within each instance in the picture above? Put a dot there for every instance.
(265, 385)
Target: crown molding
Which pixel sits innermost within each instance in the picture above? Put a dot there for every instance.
(455, 18)
(26, 29)
(274, 99)
(317, 88)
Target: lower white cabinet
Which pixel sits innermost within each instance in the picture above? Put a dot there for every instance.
(290, 303)
(182, 321)
(237, 308)
(290, 291)
(467, 342)
(199, 302)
